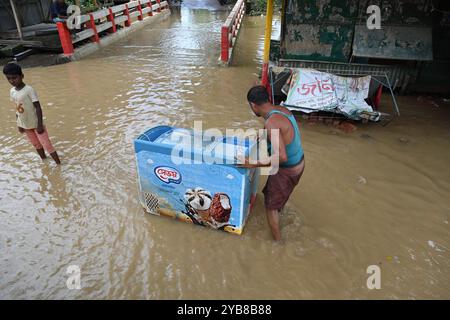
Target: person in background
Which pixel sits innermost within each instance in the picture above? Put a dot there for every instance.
(58, 11)
(287, 149)
(29, 112)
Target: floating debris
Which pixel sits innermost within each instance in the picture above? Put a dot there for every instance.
(432, 244)
(403, 140)
(346, 126)
(362, 180)
(366, 136)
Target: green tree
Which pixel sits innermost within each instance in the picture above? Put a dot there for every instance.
(258, 7)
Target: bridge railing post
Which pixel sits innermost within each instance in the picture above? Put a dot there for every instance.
(110, 18)
(149, 5)
(230, 30)
(225, 44)
(65, 38)
(139, 7)
(159, 5)
(91, 24)
(127, 13)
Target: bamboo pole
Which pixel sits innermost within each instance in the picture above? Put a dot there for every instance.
(16, 18)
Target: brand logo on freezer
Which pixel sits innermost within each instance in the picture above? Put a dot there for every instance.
(168, 175)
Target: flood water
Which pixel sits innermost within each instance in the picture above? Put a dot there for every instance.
(376, 196)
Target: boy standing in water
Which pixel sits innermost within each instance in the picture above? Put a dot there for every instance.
(29, 112)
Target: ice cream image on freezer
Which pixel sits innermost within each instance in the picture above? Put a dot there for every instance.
(200, 200)
(218, 195)
(220, 208)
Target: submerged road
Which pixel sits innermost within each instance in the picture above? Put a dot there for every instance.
(376, 196)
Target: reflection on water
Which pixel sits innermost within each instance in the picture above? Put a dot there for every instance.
(376, 196)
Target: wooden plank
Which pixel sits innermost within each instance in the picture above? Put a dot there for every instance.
(11, 50)
(104, 26)
(132, 4)
(155, 7)
(22, 42)
(100, 14)
(164, 3)
(120, 19)
(145, 10)
(135, 14)
(84, 18)
(144, 2)
(118, 8)
(83, 35)
(22, 55)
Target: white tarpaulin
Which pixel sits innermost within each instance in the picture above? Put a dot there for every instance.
(311, 91)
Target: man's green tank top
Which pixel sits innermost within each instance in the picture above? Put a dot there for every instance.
(294, 149)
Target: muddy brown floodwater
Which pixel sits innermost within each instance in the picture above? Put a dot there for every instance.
(379, 195)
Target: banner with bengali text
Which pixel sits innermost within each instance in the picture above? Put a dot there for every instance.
(312, 91)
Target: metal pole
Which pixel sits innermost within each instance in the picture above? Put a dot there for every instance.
(267, 36)
(271, 85)
(392, 94)
(16, 18)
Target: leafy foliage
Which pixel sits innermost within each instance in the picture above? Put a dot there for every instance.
(258, 7)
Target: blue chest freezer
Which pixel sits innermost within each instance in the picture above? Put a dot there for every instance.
(187, 175)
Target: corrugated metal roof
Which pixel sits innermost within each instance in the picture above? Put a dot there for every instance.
(30, 12)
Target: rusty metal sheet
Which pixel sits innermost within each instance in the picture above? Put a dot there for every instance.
(400, 12)
(394, 42)
(329, 42)
(319, 11)
(318, 29)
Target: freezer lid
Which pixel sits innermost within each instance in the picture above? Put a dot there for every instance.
(153, 133)
(175, 136)
(227, 149)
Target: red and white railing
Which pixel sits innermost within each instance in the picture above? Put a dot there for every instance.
(230, 30)
(107, 20)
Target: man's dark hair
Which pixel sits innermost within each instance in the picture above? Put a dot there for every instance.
(12, 69)
(258, 95)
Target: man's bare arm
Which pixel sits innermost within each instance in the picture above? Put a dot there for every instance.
(279, 155)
